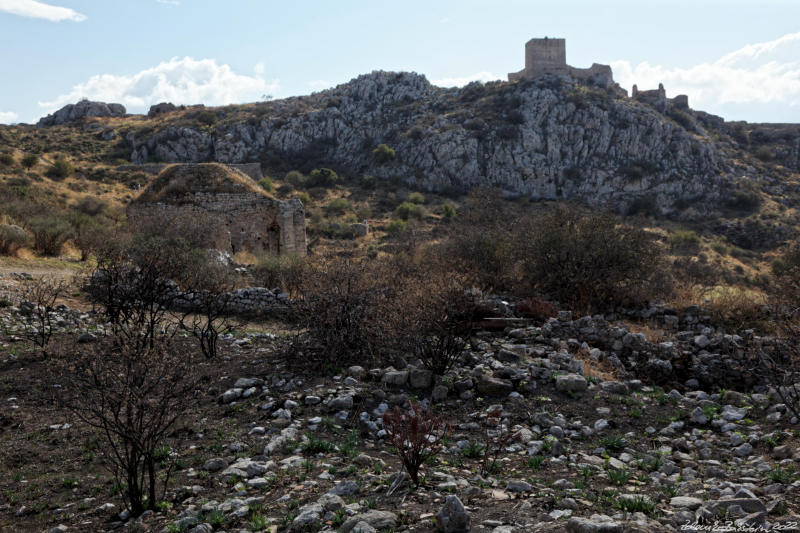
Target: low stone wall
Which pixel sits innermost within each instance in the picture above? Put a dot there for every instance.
(250, 301)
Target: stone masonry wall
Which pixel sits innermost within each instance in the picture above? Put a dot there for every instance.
(244, 221)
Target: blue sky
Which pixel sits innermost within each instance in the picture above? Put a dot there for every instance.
(737, 59)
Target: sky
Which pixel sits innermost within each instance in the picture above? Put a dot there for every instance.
(737, 59)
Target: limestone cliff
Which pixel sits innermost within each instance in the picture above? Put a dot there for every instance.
(548, 138)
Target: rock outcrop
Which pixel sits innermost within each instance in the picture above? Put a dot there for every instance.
(84, 108)
(548, 138)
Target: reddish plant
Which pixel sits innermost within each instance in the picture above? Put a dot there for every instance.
(416, 434)
(536, 308)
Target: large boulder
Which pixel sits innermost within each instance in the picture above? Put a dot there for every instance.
(160, 109)
(84, 108)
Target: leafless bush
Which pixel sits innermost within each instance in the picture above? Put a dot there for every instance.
(342, 307)
(134, 394)
(495, 438)
(416, 434)
(286, 272)
(483, 241)
(38, 301)
(778, 362)
(435, 311)
(210, 287)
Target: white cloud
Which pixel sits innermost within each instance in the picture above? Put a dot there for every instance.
(180, 81)
(7, 117)
(40, 10)
(458, 82)
(761, 73)
(258, 68)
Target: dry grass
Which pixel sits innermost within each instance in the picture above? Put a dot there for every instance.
(596, 369)
(176, 181)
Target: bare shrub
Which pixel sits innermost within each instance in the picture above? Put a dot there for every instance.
(342, 308)
(38, 302)
(496, 437)
(416, 434)
(778, 362)
(435, 311)
(133, 394)
(286, 272)
(208, 317)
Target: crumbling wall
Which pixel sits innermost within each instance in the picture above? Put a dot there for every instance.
(243, 222)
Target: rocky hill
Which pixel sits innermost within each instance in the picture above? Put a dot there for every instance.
(549, 138)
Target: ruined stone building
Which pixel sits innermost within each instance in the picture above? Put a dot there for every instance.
(658, 98)
(243, 216)
(549, 56)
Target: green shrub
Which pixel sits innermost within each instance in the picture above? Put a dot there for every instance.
(416, 198)
(396, 227)
(368, 181)
(6, 159)
(408, 210)
(295, 178)
(91, 206)
(266, 184)
(61, 169)
(49, 234)
(322, 177)
(743, 201)
(449, 211)
(30, 160)
(337, 207)
(684, 240)
(383, 154)
(590, 260)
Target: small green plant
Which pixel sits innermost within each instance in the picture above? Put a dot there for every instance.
(416, 198)
(408, 210)
(258, 522)
(619, 476)
(536, 462)
(637, 504)
(61, 169)
(29, 160)
(349, 447)
(396, 227)
(383, 154)
(6, 159)
(266, 184)
(214, 517)
(613, 443)
(315, 445)
(449, 211)
(780, 475)
(322, 177)
(473, 450)
(337, 207)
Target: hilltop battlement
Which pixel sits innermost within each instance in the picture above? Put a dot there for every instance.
(549, 56)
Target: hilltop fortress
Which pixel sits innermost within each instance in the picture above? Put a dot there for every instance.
(549, 56)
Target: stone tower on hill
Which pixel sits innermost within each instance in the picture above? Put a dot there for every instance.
(244, 216)
(549, 56)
